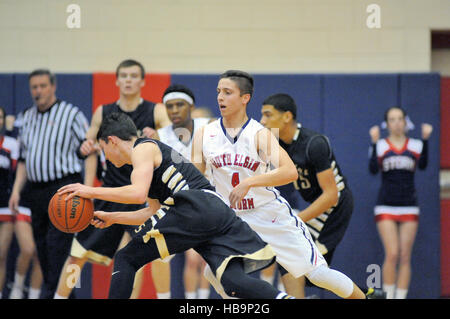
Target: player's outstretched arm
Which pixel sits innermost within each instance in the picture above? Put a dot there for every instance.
(105, 219)
(143, 160)
(270, 151)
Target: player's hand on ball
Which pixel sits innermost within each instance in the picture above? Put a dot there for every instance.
(76, 190)
(101, 219)
(426, 130)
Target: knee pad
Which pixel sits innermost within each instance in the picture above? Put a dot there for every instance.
(332, 280)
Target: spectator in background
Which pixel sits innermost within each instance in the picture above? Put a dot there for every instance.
(397, 211)
(52, 130)
(11, 223)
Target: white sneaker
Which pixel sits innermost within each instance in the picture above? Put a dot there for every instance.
(16, 293)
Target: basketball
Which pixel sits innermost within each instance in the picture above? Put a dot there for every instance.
(70, 216)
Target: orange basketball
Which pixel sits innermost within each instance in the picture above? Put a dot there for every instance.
(70, 216)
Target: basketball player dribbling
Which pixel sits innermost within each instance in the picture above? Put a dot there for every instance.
(184, 212)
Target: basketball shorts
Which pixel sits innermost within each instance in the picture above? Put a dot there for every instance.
(329, 228)
(276, 224)
(100, 245)
(201, 220)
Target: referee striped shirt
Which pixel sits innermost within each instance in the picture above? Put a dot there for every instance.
(49, 141)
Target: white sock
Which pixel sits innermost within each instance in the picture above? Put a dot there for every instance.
(16, 292)
(58, 296)
(390, 291)
(18, 280)
(283, 295)
(190, 295)
(163, 295)
(34, 293)
(401, 293)
(203, 293)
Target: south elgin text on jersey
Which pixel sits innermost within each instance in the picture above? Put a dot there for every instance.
(233, 160)
(238, 160)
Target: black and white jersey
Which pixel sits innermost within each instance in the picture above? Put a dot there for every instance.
(172, 176)
(49, 141)
(142, 117)
(311, 153)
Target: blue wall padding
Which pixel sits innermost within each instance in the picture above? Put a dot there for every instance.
(7, 92)
(74, 88)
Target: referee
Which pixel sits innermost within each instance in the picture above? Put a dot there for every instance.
(50, 135)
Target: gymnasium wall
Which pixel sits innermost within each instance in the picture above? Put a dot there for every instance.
(344, 107)
(209, 36)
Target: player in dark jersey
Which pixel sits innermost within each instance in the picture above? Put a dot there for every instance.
(96, 245)
(396, 212)
(184, 212)
(320, 179)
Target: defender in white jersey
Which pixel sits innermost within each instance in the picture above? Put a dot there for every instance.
(180, 139)
(240, 161)
(180, 102)
(233, 159)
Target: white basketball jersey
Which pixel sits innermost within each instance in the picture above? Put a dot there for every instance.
(235, 159)
(167, 136)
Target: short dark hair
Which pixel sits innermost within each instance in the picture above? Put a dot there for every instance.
(179, 88)
(117, 124)
(282, 102)
(243, 80)
(47, 72)
(130, 62)
(394, 108)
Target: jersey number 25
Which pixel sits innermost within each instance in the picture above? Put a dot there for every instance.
(304, 182)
